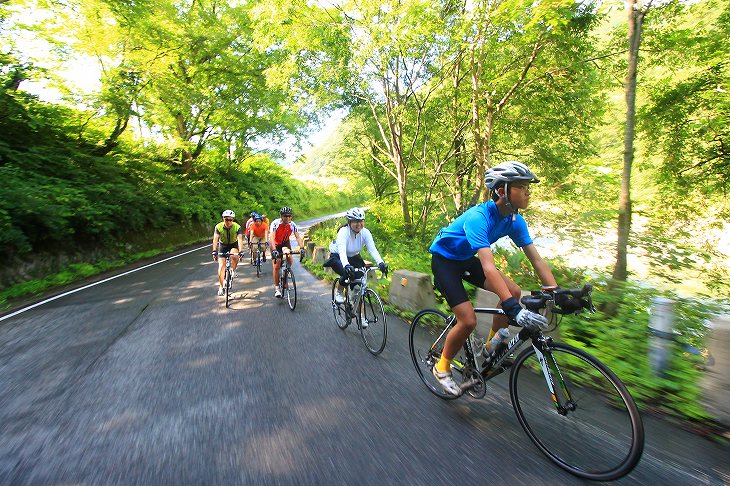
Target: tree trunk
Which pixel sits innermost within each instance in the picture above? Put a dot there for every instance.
(635, 20)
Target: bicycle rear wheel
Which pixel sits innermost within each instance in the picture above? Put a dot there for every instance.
(342, 319)
(426, 339)
(597, 432)
(290, 289)
(228, 280)
(373, 327)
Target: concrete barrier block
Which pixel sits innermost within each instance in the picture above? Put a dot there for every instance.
(320, 254)
(310, 247)
(716, 380)
(411, 290)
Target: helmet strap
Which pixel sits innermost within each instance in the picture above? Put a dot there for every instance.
(507, 202)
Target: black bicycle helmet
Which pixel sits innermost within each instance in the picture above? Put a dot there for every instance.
(285, 211)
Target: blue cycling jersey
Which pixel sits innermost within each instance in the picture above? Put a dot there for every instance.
(479, 227)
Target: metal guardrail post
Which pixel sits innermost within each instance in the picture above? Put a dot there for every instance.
(662, 334)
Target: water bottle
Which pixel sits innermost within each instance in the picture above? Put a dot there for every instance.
(498, 342)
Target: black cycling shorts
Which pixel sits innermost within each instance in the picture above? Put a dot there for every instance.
(337, 267)
(448, 275)
(280, 248)
(223, 248)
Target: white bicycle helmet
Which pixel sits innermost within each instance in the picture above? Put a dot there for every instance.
(355, 214)
(228, 214)
(510, 171)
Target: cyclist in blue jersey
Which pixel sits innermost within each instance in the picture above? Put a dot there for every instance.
(453, 253)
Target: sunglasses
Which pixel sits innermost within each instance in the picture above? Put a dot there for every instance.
(228, 219)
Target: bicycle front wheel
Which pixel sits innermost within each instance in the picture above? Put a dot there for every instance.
(373, 327)
(258, 266)
(228, 280)
(342, 319)
(426, 339)
(290, 288)
(591, 427)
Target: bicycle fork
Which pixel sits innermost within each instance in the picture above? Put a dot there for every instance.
(569, 404)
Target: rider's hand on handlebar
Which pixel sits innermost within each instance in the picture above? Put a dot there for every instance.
(215, 255)
(302, 253)
(383, 267)
(523, 317)
(526, 318)
(350, 271)
(275, 254)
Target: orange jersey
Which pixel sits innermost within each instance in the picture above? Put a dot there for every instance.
(258, 230)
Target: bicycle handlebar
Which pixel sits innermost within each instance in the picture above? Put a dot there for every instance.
(297, 252)
(364, 271)
(566, 301)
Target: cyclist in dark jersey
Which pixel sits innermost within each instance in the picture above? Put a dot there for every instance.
(453, 253)
(227, 237)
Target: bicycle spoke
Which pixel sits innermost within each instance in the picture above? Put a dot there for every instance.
(591, 427)
(290, 289)
(426, 339)
(339, 310)
(373, 326)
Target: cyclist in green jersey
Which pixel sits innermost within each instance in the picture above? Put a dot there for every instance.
(227, 238)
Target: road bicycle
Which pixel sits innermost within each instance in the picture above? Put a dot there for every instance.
(227, 277)
(260, 256)
(287, 284)
(363, 305)
(584, 420)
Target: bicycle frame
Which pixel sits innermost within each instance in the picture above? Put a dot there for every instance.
(538, 340)
(285, 264)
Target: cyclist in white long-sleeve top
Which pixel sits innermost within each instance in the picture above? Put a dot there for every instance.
(345, 249)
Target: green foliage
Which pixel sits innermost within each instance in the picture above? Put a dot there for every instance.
(60, 195)
(622, 342)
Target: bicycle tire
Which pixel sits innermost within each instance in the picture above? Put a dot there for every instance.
(227, 280)
(371, 311)
(290, 288)
(426, 342)
(602, 437)
(258, 265)
(342, 319)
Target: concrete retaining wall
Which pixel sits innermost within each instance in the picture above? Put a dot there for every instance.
(411, 290)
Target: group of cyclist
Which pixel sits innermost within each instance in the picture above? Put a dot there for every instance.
(461, 251)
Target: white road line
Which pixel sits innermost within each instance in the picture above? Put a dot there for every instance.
(96, 283)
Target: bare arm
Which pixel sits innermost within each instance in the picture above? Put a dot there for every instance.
(540, 266)
(495, 282)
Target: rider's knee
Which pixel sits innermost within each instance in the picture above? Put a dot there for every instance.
(470, 323)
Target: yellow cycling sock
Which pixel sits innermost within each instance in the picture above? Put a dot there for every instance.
(443, 365)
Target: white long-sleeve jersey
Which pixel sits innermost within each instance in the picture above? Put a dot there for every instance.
(349, 243)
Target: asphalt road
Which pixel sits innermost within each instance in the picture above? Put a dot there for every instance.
(149, 379)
